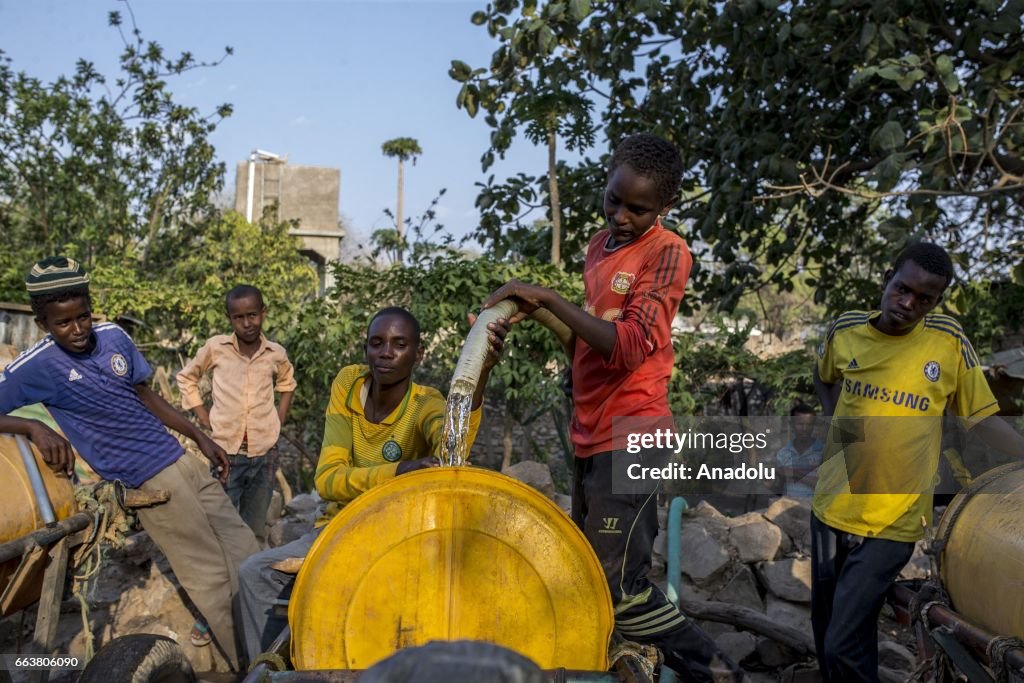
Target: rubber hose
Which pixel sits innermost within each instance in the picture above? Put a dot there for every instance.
(561, 330)
(474, 351)
(471, 360)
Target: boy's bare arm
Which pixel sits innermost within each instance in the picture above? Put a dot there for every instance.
(202, 414)
(167, 414)
(284, 403)
(55, 449)
(828, 394)
(999, 435)
(599, 334)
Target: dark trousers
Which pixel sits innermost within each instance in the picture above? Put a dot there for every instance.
(250, 488)
(850, 576)
(621, 528)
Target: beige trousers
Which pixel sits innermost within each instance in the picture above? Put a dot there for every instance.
(204, 539)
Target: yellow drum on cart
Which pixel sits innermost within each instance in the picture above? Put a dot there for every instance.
(982, 563)
(21, 514)
(449, 554)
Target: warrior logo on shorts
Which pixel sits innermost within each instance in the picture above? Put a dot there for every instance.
(622, 281)
(391, 451)
(119, 365)
(931, 371)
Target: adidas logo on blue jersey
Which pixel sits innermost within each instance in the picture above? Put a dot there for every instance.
(853, 365)
(74, 375)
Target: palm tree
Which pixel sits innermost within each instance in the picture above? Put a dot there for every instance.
(546, 115)
(403, 148)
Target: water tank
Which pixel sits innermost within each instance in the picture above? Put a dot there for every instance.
(19, 511)
(453, 553)
(982, 563)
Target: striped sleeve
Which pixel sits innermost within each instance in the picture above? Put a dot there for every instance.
(846, 320)
(337, 476)
(951, 326)
(973, 399)
(828, 369)
(23, 381)
(654, 298)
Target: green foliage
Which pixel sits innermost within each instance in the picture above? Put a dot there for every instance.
(115, 173)
(422, 237)
(440, 288)
(184, 305)
(529, 86)
(402, 148)
(715, 373)
(506, 207)
(820, 135)
(989, 312)
(102, 168)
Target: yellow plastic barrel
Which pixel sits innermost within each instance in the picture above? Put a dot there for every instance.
(448, 554)
(982, 564)
(19, 512)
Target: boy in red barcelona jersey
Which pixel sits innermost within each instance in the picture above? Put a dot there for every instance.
(634, 277)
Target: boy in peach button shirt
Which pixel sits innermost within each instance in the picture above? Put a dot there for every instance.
(246, 369)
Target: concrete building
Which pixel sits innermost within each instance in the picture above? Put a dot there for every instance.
(308, 194)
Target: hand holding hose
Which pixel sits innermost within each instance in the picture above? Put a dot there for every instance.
(528, 297)
(496, 333)
(418, 464)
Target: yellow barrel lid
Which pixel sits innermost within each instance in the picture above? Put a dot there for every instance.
(449, 554)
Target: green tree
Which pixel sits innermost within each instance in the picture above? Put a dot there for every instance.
(818, 137)
(102, 168)
(184, 306)
(440, 287)
(535, 98)
(403, 149)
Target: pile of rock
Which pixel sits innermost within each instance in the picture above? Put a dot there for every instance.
(136, 592)
(761, 561)
(293, 520)
(538, 475)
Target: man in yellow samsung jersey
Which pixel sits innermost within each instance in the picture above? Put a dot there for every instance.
(887, 377)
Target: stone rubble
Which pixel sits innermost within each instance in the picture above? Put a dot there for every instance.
(761, 560)
(535, 474)
(136, 592)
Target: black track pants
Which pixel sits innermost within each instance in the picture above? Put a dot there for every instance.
(621, 528)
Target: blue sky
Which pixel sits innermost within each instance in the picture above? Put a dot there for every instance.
(323, 82)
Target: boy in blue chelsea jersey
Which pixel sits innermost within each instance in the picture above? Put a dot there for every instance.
(93, 380)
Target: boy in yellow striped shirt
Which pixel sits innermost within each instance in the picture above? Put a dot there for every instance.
(379, 425)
